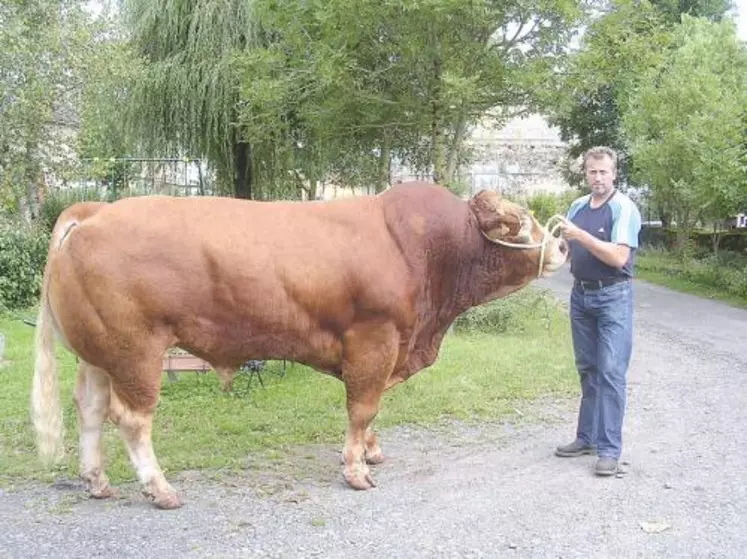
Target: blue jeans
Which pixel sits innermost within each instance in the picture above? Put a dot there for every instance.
(602, 328)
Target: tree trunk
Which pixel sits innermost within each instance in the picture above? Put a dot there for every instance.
(29, 201)
(243, 175)
(437, 136)
(312, 189)
(384, 163)
(665, 216)
(715, 238)
(683, 231)
(455, 148)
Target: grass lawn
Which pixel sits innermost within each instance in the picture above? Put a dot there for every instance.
(478, 376)
(693, 278)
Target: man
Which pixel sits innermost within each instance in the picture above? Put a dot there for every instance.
(602, 232)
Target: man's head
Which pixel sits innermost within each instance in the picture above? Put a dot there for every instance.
(600, 169)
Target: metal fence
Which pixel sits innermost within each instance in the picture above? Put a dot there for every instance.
(128, 176)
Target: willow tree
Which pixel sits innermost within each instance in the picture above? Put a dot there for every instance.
(186, 101)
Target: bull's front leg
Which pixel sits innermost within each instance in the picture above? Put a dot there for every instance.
(356, 471)
(370, 354)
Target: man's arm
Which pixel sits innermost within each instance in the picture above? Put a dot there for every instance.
(612, 254)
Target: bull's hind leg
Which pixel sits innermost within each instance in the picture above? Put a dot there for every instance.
(134, 416)
(370, 353)
(92, 402)
(374, 454)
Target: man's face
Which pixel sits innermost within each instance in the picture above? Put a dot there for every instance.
(600, 175)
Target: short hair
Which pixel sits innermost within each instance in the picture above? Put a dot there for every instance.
(598, 152)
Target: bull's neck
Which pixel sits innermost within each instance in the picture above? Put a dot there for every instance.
(475, 272)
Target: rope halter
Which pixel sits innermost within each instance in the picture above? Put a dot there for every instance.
(547, 234)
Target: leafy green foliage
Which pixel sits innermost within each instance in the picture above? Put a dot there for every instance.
(185, 99)
(519, 312)
(109, 72)
(23, 252)
(621, 43)
(56, 202)
(723, 276)
(336, 90)
(544, 205)
(685, 124)
(616, 49)
(40, 45)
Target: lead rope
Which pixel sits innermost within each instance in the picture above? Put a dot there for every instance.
(546, 235)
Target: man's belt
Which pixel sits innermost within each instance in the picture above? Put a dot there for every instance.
(591, 285)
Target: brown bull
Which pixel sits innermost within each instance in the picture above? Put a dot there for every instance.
(363, 289)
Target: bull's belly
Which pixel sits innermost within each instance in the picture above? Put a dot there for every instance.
(230, 345)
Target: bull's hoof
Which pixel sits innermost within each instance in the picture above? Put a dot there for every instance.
(374, 459)
(106, 492)
(164, 500)
(359, 479)
(168, 501)
(97, 485)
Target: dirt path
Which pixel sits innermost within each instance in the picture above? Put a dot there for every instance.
(493, 492)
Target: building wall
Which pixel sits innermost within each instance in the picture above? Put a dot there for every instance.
(522, 157)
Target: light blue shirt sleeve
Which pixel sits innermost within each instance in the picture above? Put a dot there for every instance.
(626, 222)
(575, 206)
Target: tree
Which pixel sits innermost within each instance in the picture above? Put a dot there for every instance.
(685, 124)
(628, 38)
(187, 98)
(109, 71)
(40, 45)
(339, 87)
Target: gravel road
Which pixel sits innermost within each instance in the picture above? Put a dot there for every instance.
(496, 491)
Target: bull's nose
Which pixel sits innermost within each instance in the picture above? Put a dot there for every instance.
(563, 247)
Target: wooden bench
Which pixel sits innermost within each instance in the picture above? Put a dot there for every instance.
(177, 360)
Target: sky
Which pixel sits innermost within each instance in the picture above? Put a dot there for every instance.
(741, 8)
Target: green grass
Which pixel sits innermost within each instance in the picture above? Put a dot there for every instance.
(709, 277)
(479, 376)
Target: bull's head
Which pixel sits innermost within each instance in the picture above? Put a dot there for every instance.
(514, 227)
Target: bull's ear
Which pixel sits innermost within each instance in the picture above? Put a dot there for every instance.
(496, 217)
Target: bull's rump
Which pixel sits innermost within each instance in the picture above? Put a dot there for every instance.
(227, 279)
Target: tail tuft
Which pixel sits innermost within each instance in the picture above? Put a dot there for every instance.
(45, 394)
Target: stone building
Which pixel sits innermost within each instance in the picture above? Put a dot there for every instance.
(521, 158)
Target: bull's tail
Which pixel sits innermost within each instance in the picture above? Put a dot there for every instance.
(45, 394)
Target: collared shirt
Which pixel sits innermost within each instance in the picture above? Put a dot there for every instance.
(618, 221)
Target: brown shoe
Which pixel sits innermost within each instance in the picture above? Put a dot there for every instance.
(606, 466)
(576, 448)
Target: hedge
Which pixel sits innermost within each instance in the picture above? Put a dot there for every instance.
(733, 240)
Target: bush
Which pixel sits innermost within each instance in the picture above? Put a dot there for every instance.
(23, 253)
(57, 201)
(726, 271)
(516, 313)
(701, 241)
(546, 204)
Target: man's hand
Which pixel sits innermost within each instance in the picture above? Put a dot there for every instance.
(571, 232)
